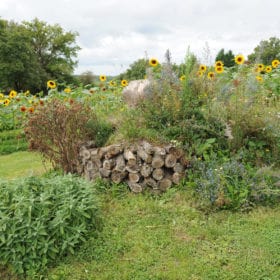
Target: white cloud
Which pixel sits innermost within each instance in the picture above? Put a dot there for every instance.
(115, 33)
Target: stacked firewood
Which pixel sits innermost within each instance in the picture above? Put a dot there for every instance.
(141, 165)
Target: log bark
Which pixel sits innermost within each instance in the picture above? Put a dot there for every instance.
(159, 151)
(151, 182)
(120, 163)
(157, 161)
(135, 187)
(170, 161)
(118, 176)
(158, 174)
(177, 177)
(133, 177)
(133, 169)
(146, 170)
(164, 184)
(141, 153)
(85, 154)
(178, 168)
(104, 172)
(109, 163)
(130, 157)
(113, 150)
(148, 148)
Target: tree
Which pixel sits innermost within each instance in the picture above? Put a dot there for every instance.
(87, 78)
(33, 52)
(226, 57)
(266, 51)
(136, 71)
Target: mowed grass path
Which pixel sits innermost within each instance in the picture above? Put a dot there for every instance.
(166, 237)
(21, 164)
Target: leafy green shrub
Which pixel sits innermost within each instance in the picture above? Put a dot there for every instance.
(57, 129)
(231, 185)
(42, 219)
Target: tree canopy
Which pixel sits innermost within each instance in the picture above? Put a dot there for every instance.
(266, 51)
(226, 57)
(33, 52)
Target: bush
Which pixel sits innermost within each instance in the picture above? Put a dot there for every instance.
(57, 130)
(43, 219)
(232, 185)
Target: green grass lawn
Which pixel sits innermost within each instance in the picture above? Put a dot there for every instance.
(21, 164)
(165, 237)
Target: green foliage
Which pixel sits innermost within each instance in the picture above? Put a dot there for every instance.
(12, 141)
(87, 78)
(46, 52)
(226, 57)
(136, 71)
(57, 129)
(266, 51)
(231, 185)
(43, 219)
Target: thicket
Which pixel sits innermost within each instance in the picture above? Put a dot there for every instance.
(58, 129)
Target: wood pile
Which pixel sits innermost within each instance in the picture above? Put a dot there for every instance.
(141, 165)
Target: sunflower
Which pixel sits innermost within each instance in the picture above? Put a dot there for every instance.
(153, 62)
(268, 69)
(112, 84)
(219, 63)
(91, 91)
(23, 109)
(202, 68)
(102, 78)
(51, 84)
(219, 69)
(6, 102)
(211, 75)
(259, 79)
(12, 94)
(260, 67)
(67, 90)
(41, 102)
(31, 110)
(239, 59)
(183, 78)
(275, 63)
(26, 93)
(199, 73)
(1, 95)
(124, 83)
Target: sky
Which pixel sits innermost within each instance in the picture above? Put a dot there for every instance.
(115, 33)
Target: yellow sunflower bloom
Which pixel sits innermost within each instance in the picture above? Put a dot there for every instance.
(219, 69)
(67, 90)
(124, 83)
(6, 102)
(153, 62)
(260, 67)
(51, 84)
(268, 69)
(202, 68)
(26, 93)
(183, 78)
(199, 73)
(1, 95)
(239, 59)
(12, 94)
(102, 78)
(219, 63)
(112, 84)
(211, 75)
(275, 63)
(259, 79)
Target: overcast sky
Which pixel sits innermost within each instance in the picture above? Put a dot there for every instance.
(115, 33)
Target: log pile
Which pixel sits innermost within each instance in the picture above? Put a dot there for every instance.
(140, 165)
